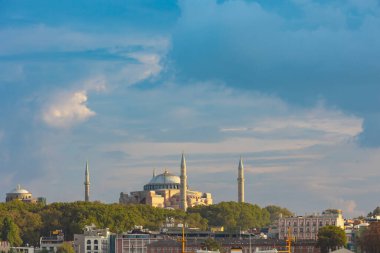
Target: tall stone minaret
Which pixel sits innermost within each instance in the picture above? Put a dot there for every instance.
(183, 190)
(86, 184)
(240, 180)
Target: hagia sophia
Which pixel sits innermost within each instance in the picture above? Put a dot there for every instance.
(167, 190)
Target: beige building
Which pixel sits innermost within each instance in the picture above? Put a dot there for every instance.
(164, 190)
(306, 227)
(20, 194)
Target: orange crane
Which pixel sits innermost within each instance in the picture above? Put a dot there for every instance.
(289, 240)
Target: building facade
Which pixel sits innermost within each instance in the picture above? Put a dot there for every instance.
(92, 240)
(135, 242)
(166, 190)
(4, 246)
(52, 242)
(306, 227)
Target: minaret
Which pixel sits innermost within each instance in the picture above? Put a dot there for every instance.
(240, 180)
(86, 184)
(183, 190)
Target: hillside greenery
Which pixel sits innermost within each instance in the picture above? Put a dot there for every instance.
(24, 223)
(233, 216)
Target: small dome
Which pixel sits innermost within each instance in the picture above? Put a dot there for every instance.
(165, 178)
(18, 189)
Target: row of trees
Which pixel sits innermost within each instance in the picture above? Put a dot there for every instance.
(22, 223)
(234, 216)
(332, 238)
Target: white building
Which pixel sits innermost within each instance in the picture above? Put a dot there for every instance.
(92, 240)
(306, 227)
(23, 249)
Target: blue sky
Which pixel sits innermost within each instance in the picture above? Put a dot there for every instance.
(292, 86)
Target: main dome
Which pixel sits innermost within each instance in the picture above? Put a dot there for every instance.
(165, 180)
(19, 190)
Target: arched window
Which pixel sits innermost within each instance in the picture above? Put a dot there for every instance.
(96, 242)
(88, 241)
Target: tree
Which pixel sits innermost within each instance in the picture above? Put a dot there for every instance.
(369, 241)
(211, 245)
(66, 247)
(10, 232)
(276, 211)
(331, 238)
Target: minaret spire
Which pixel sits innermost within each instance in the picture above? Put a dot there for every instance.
(86, 184)
(240, 180)
(183, 189)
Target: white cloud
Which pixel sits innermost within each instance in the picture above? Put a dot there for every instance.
(318, 119)
(96, 84)
(148, 66)
(67, 109)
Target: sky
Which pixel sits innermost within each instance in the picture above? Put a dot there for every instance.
(290, 86)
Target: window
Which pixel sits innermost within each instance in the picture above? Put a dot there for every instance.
(88, 247)
(88, 241)
(320, 224)
(295, 224)
(96, 242)
(301, 230)
(307, 223)
(96, 247)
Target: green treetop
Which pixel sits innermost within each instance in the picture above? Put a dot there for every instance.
(10, 232)
(331, 238)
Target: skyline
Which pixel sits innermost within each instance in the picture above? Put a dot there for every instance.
(292, 87)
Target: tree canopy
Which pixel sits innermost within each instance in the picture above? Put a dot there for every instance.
(276, 211)
(66, 247)
(233, 216)
(331, 238)
(211, 244)
(369, 241)
(10, 232)
(26, 222)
